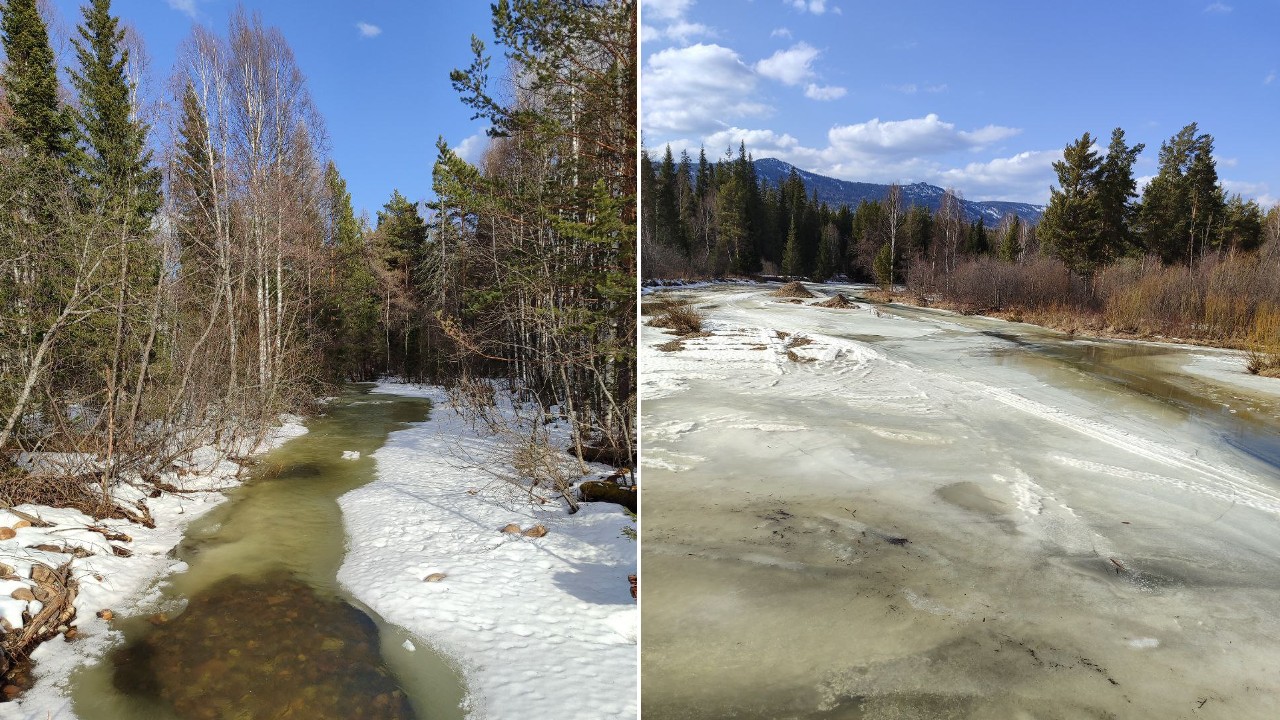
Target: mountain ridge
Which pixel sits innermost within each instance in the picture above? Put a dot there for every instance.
(836, 192)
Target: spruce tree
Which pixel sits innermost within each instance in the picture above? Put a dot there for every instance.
(112, 157)
(40, 123)
(1072, 223)
(791, 264)
(1009, 245)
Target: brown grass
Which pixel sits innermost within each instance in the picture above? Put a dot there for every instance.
(671, 346)
(1264, 352)
(793, 289)
(679, 317)
(839, 302)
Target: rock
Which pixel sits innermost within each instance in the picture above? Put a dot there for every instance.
(22, 524)
(11, 691)
(435, 577)
(6, 570)
(511, 528)
(536, 531)
(7, 532)
(44, 575)
(106, 615)
(158, 619)
(23, 593)
(71, 634)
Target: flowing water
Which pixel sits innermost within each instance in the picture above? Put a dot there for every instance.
(947, 517)
(258, 626)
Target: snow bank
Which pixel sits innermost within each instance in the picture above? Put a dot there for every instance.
(107, 581)
(540, 627)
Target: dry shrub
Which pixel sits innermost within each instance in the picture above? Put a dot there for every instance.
(1264, 348)
(679, 317)
(987, 284)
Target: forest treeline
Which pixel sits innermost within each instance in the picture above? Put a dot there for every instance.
(181, 261)
(1184, 258)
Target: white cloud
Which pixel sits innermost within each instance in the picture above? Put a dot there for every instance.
(679, 31)
(697, 89)
(1219, 7)
(817, 7)
(367, 30)
(187, 7)
(1023, 177)
(1258, 191)
(666, 9)
(1270, 78)
(781, 32)
(790, 66)
(912, 137)
(472, 147)
(824, 92)
(908, 89)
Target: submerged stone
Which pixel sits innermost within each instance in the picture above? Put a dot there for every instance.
(235, 653)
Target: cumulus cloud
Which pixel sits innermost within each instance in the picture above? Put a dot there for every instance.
(1023, 177)
(472, 147)
(915, 136)
(697, 89)
(824, 92)
(367, 30)
(791, 66)
(666, 9)
(680, 31)
(817, 7)
(1219, 8)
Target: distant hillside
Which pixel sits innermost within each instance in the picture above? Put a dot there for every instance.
(845, 192)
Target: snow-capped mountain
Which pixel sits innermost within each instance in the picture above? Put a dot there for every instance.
(846, 192)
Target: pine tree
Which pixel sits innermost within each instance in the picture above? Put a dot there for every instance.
(112, 157)
(1072, 223)
(39, 122)
(1183, 202)
(1117, 190)
(352, 310)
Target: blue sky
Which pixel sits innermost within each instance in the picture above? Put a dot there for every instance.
(980, 96)
(378, 71)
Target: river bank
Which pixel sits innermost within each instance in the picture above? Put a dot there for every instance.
(108, 579)
(540, 626)
(884, 511)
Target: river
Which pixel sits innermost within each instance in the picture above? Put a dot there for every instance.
(912, 514)
(258, 626)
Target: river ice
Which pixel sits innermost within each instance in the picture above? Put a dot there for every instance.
(540, 627)
(917, 514)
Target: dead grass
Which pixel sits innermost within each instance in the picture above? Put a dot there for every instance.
(839, 301)
(671, 346)
(1264, 352)
(679, 317)
(793, 289)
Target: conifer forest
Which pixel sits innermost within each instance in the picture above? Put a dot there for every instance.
(186, 255)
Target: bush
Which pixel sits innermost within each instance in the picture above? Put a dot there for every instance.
(679, 317)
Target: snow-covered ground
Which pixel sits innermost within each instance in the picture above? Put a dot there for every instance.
(917, 514)
(108, 581)
(540, 627)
